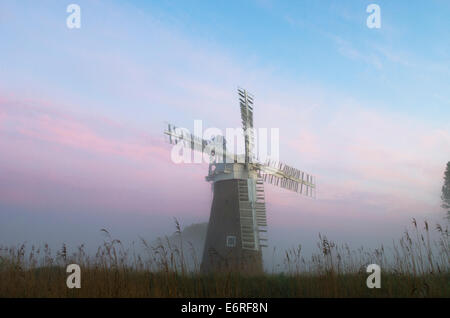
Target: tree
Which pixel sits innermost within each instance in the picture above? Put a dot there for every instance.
(446, 190)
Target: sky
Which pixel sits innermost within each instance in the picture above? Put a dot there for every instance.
(82, 114)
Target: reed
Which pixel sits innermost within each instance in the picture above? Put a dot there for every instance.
(414, 266)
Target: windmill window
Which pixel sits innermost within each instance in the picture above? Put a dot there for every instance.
(231, 241)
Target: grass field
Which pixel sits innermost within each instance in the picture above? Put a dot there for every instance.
(415, 266)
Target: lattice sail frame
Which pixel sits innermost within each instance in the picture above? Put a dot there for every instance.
(275, 173)
(246, 105)
(289, 178)
(252, 211)
(214, 148)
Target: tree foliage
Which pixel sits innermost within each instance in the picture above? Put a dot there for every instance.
(446, 190)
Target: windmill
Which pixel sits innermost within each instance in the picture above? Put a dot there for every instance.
(237, 223)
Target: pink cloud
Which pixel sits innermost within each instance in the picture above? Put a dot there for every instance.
(375, 151)
(51, 125)
(67, 159)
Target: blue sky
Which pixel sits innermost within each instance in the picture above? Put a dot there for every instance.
(365, 110)
(322, 41)
(316, 42)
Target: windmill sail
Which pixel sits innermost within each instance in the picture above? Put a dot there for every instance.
(246, 105)
(215, 148)
(252, 210)
(287, 177)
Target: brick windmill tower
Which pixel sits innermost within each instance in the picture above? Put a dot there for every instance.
(237, 223)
